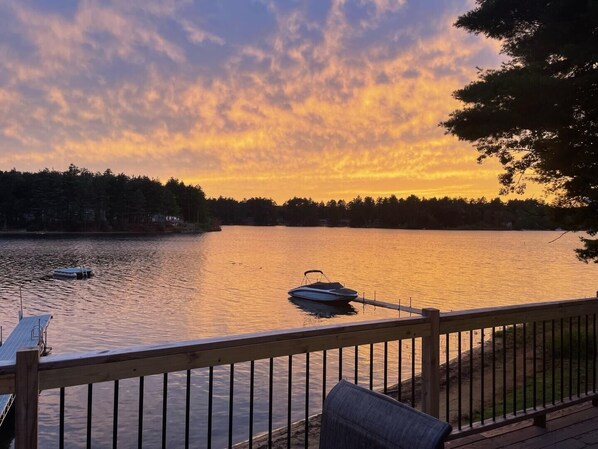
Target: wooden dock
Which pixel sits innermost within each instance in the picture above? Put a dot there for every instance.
(29, 332)
(388, 305)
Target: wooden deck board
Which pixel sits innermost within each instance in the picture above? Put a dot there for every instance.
(574, 427)
(25, 335)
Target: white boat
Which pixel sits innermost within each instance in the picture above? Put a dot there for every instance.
(73, 273)
(330, 292)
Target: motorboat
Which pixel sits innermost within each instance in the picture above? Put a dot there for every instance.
(317, 287)
(73, 273)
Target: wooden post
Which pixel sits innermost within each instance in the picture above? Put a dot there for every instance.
(540, 421)
(430, 367)
(26, 398)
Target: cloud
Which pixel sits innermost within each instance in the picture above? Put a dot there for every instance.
(340, 97)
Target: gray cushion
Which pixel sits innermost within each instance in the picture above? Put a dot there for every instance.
(354, 417)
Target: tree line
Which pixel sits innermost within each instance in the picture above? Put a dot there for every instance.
(392, 212)
(78, 200)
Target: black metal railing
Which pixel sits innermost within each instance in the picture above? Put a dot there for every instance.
(487, 367)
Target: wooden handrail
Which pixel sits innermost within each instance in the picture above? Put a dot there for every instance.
(466, 320)
(99, 366)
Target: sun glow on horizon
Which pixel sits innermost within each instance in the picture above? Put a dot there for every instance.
(326, 100)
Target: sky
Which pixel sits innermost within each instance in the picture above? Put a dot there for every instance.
(321, 99)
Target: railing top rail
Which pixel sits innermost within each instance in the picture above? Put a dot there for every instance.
(98, 366)
(465, 320)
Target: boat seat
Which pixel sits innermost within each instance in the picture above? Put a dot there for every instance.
(354, 417)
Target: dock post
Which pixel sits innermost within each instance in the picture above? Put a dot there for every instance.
(26, 398)
(430, 367)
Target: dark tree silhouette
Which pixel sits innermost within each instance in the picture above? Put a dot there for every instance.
(539, 111)
(79, 200)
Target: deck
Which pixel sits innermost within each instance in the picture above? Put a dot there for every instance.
(571, 428)
(26, 334)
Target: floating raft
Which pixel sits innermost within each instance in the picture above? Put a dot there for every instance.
(29, 332)
(73, 273)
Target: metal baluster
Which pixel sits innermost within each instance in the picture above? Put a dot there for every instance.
(289, 401)
(535, 379)
(210, 404)
(544, 363)
(587, 335)
(61, 422)
(448, 380)
(504, 371)
(115, 417)
(356, 365)
(562, 360)
(270, 400)
(371, 366)
(385, 367)
(231, 392)
(323, 378)
(514, 369)
(400, 384)
(524, 367)
(140, 426)
(482, 376)
(340, 363)
(471, 378)
(187, 408)
(413, 372)
(553, 364)
(307, 400)
(89, 409)
(493, 373)
(251, 397)
(164, 408)
(594, 352)
(570, 357)
(578, 356)
(459, 409)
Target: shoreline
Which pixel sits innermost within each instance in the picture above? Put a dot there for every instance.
(59, 234)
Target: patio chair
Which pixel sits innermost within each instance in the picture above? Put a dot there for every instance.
(354, 417)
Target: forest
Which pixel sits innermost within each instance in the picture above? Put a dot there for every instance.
(392, 212)
(78, 200)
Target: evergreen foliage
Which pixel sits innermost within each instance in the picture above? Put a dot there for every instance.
(538, 113)
(391, 212)
(78, 200)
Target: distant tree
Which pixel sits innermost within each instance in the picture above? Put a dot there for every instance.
(539, 111)
(79, 200)
(301, 212)
(261, 211)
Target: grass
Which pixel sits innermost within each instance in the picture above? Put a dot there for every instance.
(565, 366)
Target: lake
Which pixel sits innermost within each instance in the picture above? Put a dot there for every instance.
(169, 288)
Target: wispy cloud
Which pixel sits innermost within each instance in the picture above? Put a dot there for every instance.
(245, 98)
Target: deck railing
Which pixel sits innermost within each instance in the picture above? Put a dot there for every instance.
(477, 369)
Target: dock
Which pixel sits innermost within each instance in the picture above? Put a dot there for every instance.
(388, 305)
(29, 332)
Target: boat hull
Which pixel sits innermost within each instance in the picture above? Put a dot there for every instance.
(73, 273)
(323, 295)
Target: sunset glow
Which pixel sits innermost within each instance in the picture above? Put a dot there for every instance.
(246, 98)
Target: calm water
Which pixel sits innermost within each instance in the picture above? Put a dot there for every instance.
(159, 289)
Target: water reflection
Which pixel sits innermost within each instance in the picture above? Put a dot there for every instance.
(323, 310)
(165, 289)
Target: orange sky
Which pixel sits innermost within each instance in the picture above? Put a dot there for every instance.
(258, 98)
